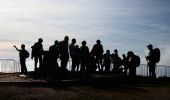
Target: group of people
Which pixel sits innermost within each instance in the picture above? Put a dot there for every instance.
(83, 59)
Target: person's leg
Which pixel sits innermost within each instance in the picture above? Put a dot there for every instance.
(35, 63)
(150, 69)
(24, 67)
(73, 63)
(82, 68)
(101, 62)
(40, 61)
(153, 70)
(62, 62)
(134, 72)
(21, 63)
(107, 69)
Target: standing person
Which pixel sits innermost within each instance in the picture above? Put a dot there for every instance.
(72, 49)
(134, 61)
(77, 57)
(23, 54)
(116, 60)
(125, 63)
(84, 53)
(54, 53)
(152, 59)
(37, 51)
(97, 51)
(107, 60)
(63, 52)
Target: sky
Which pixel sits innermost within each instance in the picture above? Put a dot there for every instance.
(119, 24)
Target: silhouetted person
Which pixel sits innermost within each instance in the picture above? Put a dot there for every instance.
(73, 52)
(125, 63)
(116, 60)
(54, 54)
(77, 57)
(23, 54)
(37, 51)
(64, 54)
(92, 63)
(107, 60)
(97, 51)
(84, 53)
(152, 58)
(134, 61)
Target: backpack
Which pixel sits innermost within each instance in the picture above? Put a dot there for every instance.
(157, 54)
(137, 61)
(26, 54)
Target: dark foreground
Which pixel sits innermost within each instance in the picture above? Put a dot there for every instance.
(95, 87)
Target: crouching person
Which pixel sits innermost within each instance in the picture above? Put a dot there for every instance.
(23, 54)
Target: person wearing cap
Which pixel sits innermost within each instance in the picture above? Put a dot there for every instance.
(37, 50)
(151, 61)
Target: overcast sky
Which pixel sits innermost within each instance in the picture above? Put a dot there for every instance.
(120, 24)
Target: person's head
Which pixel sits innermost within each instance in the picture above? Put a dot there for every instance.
(23, 46)
(77, 46)
(98, 41)
(73, 40)
(115, 51)
(130, 53)
(150, 47)
(56, 42)
(123, 55)
(66, 38)
(83, 43)
(40, 40)
(108, 51)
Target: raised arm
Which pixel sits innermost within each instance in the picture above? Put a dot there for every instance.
(16, 48)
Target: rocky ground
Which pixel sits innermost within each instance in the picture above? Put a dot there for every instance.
(98, 87)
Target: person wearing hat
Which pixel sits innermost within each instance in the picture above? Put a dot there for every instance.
(37, 50)
(151, 61)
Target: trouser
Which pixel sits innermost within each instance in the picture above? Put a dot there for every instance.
(23, 66)
(36, 58)
(84, 64)
(132, 72)
(152, 69)
(107, 67)
(99, 62)
(74, 62)
(64, 61)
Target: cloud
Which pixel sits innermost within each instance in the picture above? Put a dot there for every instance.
(125, 25)
(165, 54)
